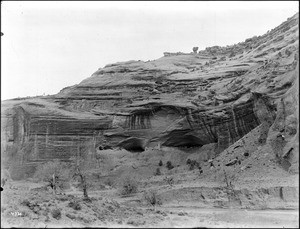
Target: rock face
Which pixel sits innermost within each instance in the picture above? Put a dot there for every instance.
(185, 100)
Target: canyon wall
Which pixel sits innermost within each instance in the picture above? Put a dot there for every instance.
(183, 100)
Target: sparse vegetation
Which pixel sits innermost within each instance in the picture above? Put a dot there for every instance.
(128, 185)
(157, 172)
(229, 180)
(80, 170)
(160, 163)
(169, 165)
(188, 161)
(213, 127)
(246, 154)
(169, 180)
(231, 54)
(75, 205)
(25, 202)
(151, 197)
(193, 164)
(71, 216)
(109, 182)
(195, 49)
(56, 214)
(200, 170)
(54, 172)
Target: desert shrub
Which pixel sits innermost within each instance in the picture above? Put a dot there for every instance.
(85, 220)
(109, 182)
(75, 205)
(88, 199)
(291, 130)
(25, 202)
(135, 223)
(96, 175)
(169, 180)
(232, 54)
(288, 52)
(71, 216)
(151, 197)
(160, 163)
(56, 214)
(196, 163)
(188, 161)
(64, 184)
(230, 179)
(157, 172)
(246, 154)
(128, 185)
(62, 198)
(200, 171)
(102, 186)
(169, 165)
(193, 164)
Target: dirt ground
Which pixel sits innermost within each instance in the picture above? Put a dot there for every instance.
(108, 209)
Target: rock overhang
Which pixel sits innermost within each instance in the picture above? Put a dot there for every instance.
(208, 95)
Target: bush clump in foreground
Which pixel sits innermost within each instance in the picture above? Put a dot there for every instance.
(128, 185)
(56, 214)
(75, 205)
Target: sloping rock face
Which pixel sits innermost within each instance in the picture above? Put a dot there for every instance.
(185, 100)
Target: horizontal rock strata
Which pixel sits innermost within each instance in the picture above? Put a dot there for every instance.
(180, 100)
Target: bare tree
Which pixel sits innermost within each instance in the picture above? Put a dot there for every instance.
(81, 172)
(229, 180)
(83, 163)
(55, 173)
(81, 169)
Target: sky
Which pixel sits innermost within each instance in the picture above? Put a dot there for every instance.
(50, 45)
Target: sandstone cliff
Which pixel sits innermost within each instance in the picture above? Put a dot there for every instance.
(183, 100)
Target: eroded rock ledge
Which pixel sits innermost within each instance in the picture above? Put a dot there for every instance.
(185, 100)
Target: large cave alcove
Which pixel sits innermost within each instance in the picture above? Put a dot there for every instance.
(187, 141)
(134, 145)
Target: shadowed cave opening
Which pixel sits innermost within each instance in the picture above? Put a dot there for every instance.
(134, 145)
(184, 141)
(135, 149)
(105, 147)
